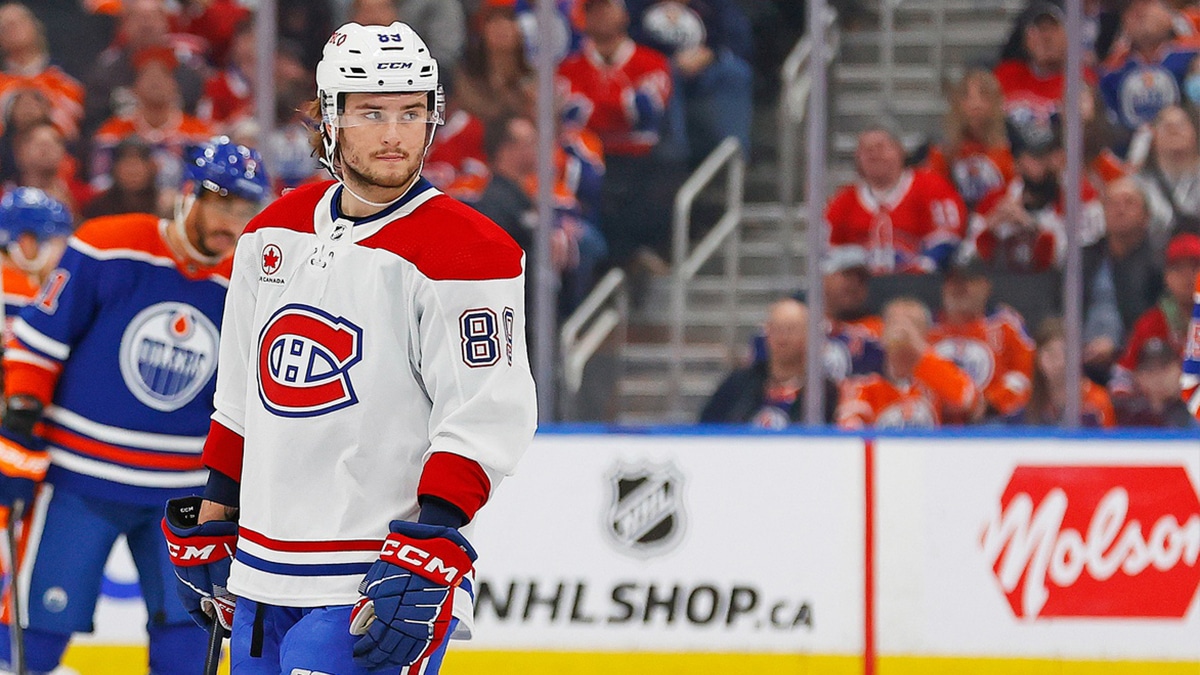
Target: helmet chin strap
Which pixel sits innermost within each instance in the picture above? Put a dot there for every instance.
(331, 147)
(183, 209)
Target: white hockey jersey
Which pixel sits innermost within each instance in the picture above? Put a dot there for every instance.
(363, 361)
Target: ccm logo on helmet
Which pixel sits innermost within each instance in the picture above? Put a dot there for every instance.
(413, 558)
(304, 361)
(393, 66)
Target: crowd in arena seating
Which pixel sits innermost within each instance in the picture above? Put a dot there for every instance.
(963, 243)
(105, 122)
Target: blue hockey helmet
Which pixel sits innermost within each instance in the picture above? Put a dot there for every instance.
(229, 169)
(27, 209)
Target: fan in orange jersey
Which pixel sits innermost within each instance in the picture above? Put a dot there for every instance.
(975, 157)
(917, 388)
(27, 66)
(993, 349)
(33, 234)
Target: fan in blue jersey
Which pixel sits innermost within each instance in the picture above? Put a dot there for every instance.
(33, 234)
(373, 389)
(109, 383)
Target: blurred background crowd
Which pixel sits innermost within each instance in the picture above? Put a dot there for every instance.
(944, 256)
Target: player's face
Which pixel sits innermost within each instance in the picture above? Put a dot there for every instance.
(386, 149)
(37, 257)
(217, 223)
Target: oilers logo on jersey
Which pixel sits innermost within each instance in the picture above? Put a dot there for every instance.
(1145, 93)
(973, 356)
(305, 356)
(168, 354)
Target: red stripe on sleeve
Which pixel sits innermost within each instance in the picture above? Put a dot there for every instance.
(223, 451)
(456, 479)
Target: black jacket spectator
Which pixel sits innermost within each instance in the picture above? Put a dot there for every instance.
(741, 397)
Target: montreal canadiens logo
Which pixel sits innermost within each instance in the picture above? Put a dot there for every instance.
(304, 361)
(168, 354)
(272, 259)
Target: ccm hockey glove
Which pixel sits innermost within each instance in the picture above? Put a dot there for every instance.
(23, 456)
(201, 555)
(404, 613)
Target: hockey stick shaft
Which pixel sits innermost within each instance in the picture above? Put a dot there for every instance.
(16, 633)
(215, 635)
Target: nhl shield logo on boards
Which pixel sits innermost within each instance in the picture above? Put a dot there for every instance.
(646, 514)
(168, 354)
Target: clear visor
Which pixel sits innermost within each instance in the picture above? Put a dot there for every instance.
(363, 118)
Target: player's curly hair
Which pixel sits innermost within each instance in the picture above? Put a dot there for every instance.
(312, 110)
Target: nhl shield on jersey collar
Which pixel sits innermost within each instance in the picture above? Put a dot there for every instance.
(418, 188)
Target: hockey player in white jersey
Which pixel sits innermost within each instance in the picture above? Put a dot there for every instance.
(373, 388)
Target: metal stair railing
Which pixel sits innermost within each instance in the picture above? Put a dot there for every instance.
(793, 108)
(605, 309)
(684, 264)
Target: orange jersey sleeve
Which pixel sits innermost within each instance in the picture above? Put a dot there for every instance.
(952, 387)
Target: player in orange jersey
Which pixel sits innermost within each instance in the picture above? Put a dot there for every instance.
(917, 388)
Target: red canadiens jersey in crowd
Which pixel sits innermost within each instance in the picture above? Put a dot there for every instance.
(1191, 359)
(227, 97)
(901, 228)
(457, 151)
(996, 353)
(938, 389)
(604, 97)
(1030, 96)
(1014, 247)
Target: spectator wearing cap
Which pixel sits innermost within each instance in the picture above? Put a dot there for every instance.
(993, 349)
(1147, 76)
(144, 24)
(133, 187)
(1167, 320)
(26, 61)
(909, 220)
(852, 332)
(975, 156)
(1171, 178)
(1033, 81)
(1122, 277)
(1048, 395)
(157, 118)
(770, 392)
(708, 43)
(1022, 227)
(917, 388)
(1154, 400)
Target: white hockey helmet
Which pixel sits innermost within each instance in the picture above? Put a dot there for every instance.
(374, 59)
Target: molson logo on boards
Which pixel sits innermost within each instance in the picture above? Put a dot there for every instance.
(1097, 541)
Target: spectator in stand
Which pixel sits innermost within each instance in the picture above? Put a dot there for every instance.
(286, 148)
(909, 220)
(1022, 227)
(770, 392)
(993, 349)
(25, 108)
(1048, 395)
(1122, 277)
(442, 20)
(229, 94)
(217, 22)
(576, 247)
(975, 156)
(1138, 82)
(1167, 320)
(1171, 179)
(42, 162)
(495, 79)
(619, 90)
(1154, 399)
(852, 346)
(156, 117)
(917, 388)
(133, 183)
(708, 43)
(1189, 381)
(26, 60)
(457, 148)
(145, 24)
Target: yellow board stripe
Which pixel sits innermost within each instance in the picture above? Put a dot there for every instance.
(121, 660)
